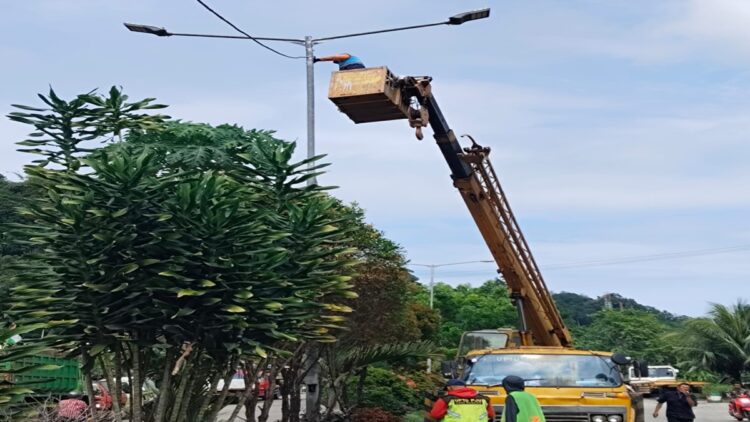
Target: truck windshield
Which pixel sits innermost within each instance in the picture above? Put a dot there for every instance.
(545, 370)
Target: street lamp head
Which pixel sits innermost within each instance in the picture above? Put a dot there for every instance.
(146, 29)
(469, 16)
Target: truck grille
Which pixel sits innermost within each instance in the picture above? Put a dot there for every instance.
(566, 417)
(572, 413)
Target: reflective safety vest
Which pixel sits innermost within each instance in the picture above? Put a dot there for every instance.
(528, 408)
(466, 409)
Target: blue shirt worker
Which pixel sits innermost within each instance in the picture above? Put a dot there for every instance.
(345, 61)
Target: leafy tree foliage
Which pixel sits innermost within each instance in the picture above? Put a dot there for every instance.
(719, 343)
(579, 309)
(154, 250)
(384, 311)
(384, 390)
(12, 196)
(463, 308)
(637, 333)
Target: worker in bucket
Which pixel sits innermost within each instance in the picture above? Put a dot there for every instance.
(345, 61)
(462, 404)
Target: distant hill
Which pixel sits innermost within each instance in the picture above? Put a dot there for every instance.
(578, 309)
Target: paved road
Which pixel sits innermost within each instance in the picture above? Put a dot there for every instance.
(704, 412)
(275, 414)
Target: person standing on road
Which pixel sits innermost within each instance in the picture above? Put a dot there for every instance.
(680, 404)
(520, 406)
(462, 404)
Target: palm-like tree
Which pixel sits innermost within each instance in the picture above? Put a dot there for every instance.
(721, 342)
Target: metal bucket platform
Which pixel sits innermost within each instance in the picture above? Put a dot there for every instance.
(368, 95)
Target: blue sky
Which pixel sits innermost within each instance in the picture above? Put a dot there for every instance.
(618, 128)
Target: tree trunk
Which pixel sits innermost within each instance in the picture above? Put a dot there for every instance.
(292, 384)
(165, 387)
(118, 374)
(251, 399)
(197, 375)
(295, 404)
(136, 393)
(89, 384)
(217, 376)
(361, 385)
(180, 393)
(268, 402)
(113, 390)
(228, 375)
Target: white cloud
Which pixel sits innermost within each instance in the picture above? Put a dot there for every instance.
(719, 25)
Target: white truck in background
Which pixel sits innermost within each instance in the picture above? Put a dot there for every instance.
(660, 377)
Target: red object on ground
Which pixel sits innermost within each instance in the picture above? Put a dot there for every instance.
(72, 409)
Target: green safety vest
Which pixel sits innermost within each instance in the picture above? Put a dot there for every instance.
(465, 410)
(528, 408)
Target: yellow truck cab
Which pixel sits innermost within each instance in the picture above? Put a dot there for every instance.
(571, 385)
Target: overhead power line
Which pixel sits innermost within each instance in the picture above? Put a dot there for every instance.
(236, 28)
(645, 258)
(625, 260)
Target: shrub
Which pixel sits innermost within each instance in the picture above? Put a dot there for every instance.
(385, 390)
(414, 417)
(374, 415)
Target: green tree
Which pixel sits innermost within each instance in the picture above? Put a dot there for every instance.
(637, 333)
(578, 309)
(12, 196)
(719, 343)
(465, 308)
(181, 260)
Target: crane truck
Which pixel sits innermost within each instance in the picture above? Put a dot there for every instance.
(571, 384)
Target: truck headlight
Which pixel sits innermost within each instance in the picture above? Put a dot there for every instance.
(614, 418)
(598, 418)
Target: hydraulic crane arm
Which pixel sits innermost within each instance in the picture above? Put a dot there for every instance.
(365, 99)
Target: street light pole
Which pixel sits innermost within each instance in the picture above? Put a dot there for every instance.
(310, 59)
(309, 42)
(432, 286)
(432, 268)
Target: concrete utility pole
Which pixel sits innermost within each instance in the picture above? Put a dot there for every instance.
(312, 381)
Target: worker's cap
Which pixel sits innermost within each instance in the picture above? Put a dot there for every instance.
(455, 383)
(513, 383)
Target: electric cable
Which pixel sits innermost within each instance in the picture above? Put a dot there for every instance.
(225, 20)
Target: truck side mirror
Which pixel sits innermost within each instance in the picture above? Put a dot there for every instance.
(448, 369)
(620, 359)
